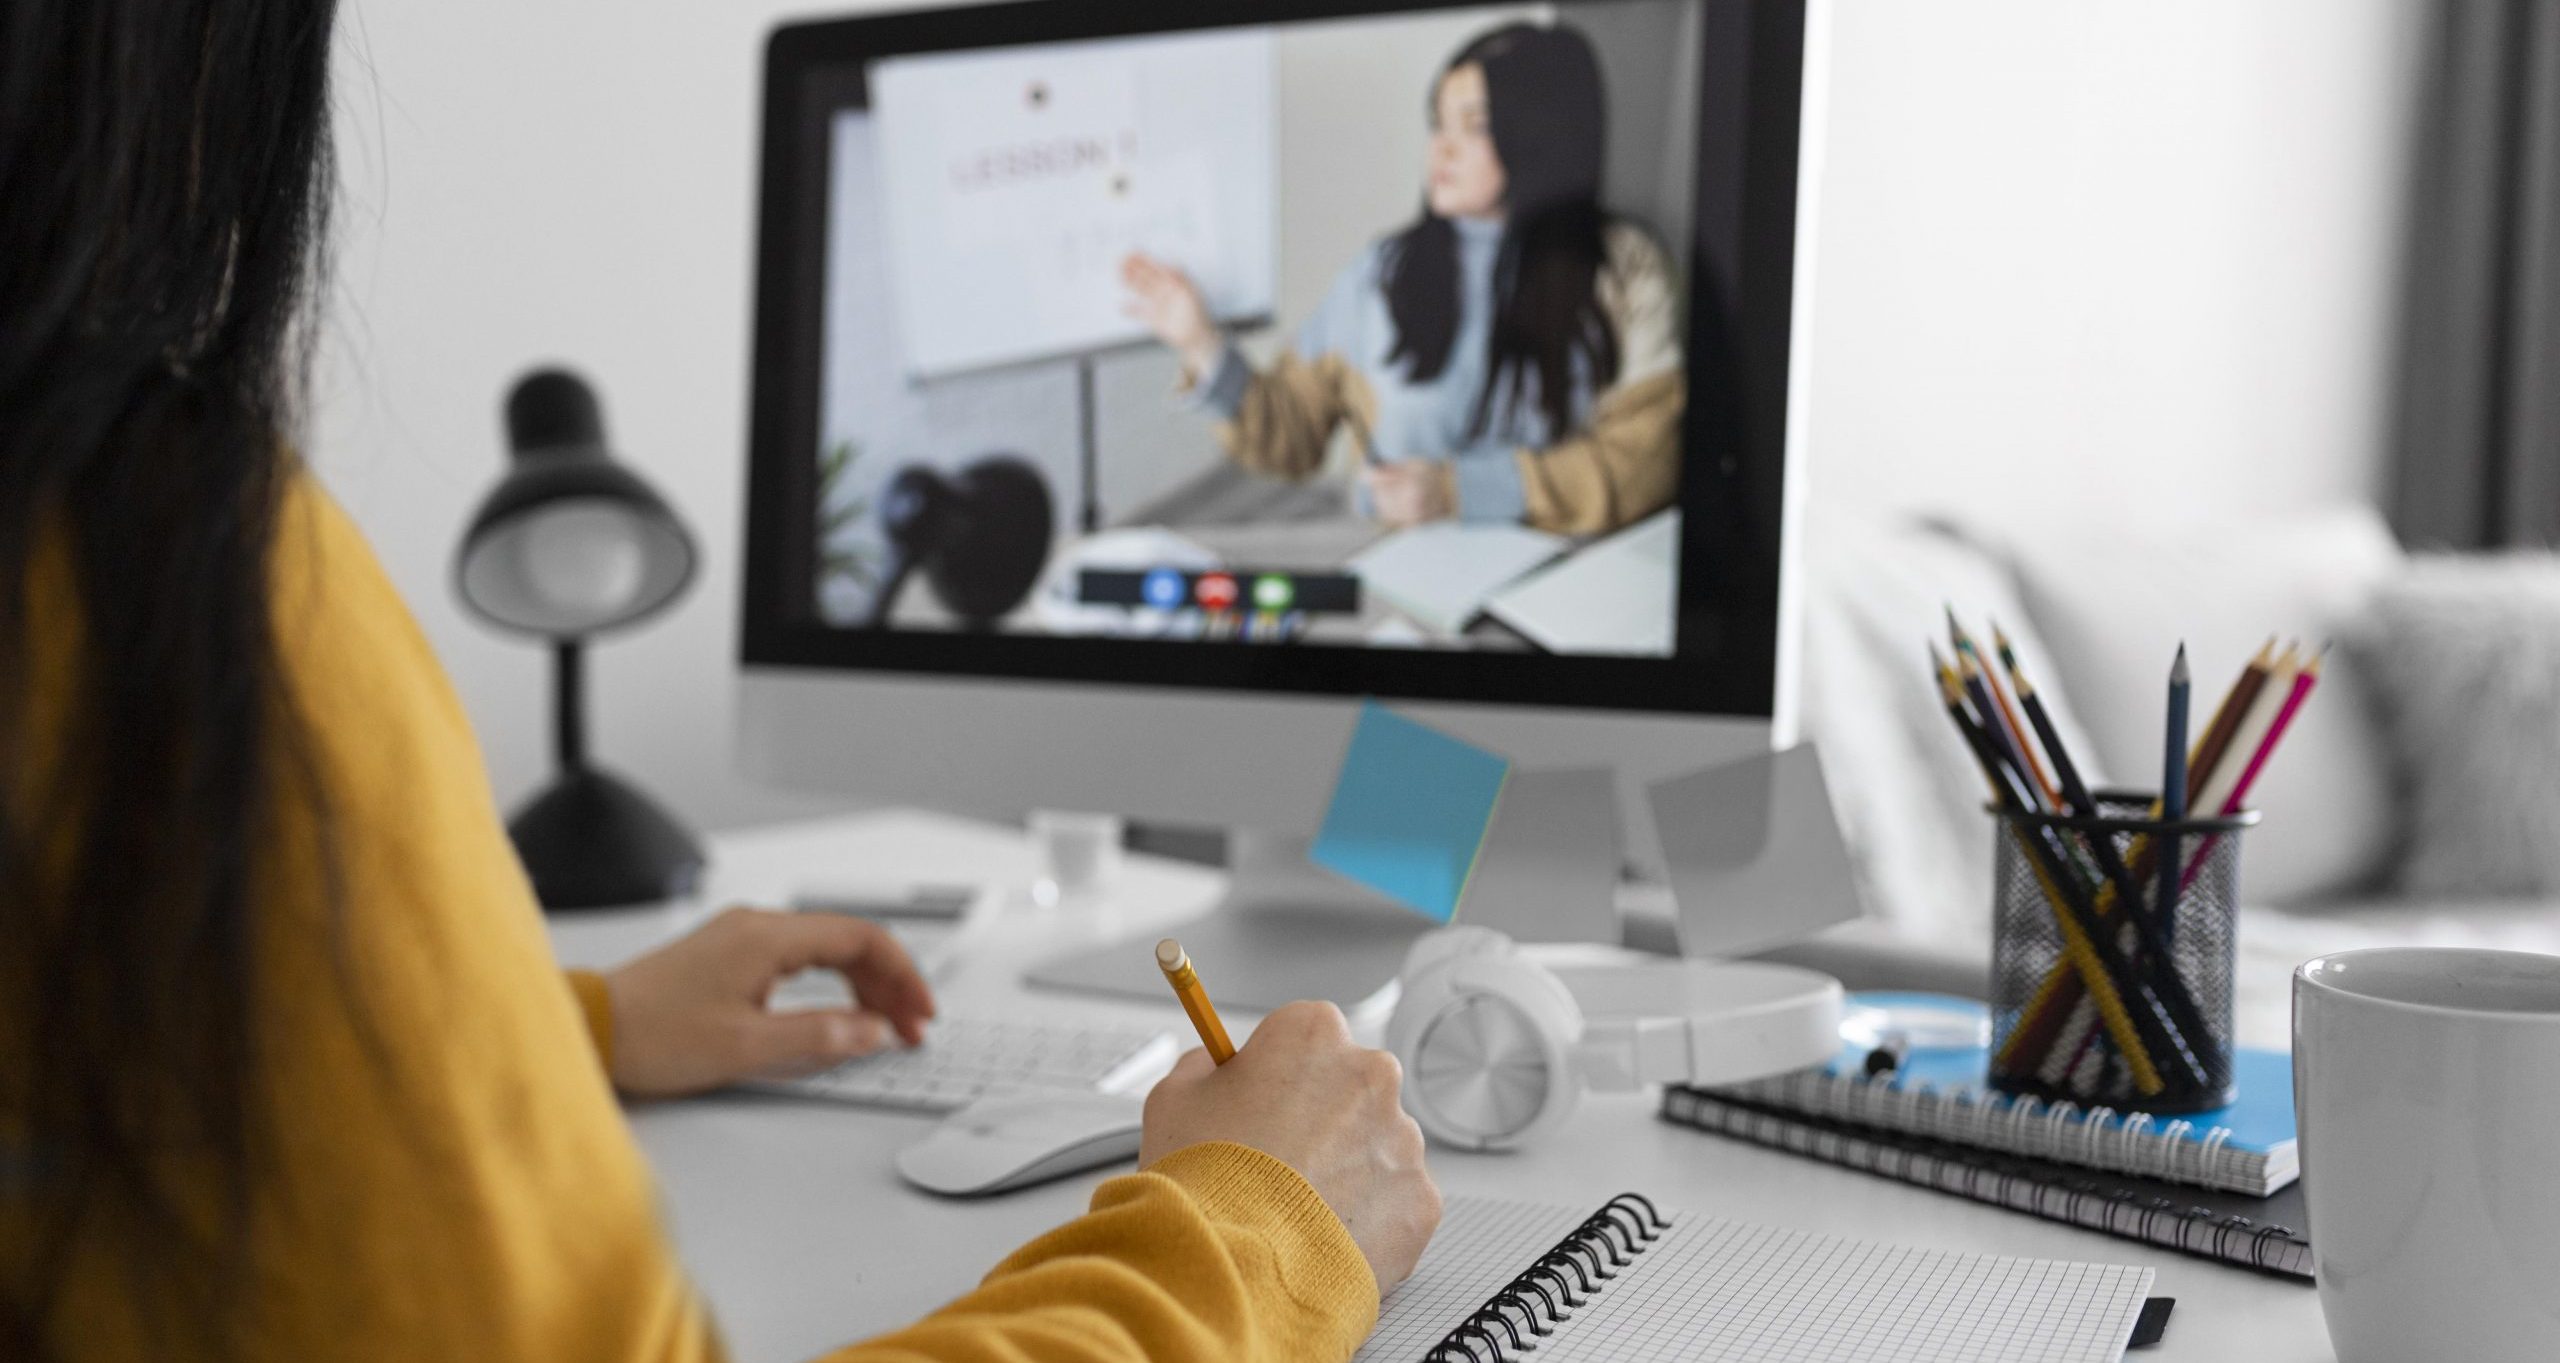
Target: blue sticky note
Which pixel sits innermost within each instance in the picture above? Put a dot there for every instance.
(1409, 811)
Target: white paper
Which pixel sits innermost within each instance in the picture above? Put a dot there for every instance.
(1710, 1291)
(1441, 574)
(1618, 595)
(1015, 181)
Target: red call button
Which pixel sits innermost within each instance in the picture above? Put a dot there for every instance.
(1215, 591)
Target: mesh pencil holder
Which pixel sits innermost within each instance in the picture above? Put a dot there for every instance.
(2098, 998)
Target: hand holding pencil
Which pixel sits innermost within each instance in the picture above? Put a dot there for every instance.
(1300, 1091)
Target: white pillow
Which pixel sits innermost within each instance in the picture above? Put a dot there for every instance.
(2114, 603)
(2464, 655)
(1907, 792)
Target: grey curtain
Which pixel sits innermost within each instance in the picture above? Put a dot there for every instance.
(2478, 460)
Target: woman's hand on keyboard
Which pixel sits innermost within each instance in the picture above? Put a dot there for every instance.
(691, 1015)
(1302, 1092)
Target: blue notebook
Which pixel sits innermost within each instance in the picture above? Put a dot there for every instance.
(1944, 1094)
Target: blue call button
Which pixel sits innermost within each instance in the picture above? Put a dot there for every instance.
(1165, 590)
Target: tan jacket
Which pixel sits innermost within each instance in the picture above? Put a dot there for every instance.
(1622, 466)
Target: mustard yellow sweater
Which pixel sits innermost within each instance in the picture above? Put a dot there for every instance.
(456, 1179)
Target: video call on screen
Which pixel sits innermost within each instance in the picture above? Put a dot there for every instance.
(1357, 333)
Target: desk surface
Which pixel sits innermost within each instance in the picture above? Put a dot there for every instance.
(802, 1238)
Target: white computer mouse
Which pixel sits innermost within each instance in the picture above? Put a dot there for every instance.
(998, 1144)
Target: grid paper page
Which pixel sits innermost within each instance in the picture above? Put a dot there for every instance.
(1711, 1290)
(1482, 1243)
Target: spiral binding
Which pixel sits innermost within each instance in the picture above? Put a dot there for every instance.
(2098, 1137)
(1529, 1307)
(1988, 1177)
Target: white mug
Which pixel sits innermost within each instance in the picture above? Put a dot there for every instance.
(2427, 1084)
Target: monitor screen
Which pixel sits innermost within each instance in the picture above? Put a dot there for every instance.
(1334, 353)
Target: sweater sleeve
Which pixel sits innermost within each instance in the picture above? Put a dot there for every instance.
(1624, 464)
(1280, 420)
(454, 1176)
(595, 1005)
(1214, 1252)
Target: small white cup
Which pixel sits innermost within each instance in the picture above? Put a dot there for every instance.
(1078, 853)
(2427, 1085)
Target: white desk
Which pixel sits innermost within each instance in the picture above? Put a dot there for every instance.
(802, 1238)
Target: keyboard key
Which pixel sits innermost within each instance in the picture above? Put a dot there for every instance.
(967, 1058)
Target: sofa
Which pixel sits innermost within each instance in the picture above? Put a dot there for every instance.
(2095, 614)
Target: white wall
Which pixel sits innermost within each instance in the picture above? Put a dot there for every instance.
(530, 180)
(2115, 250)
(2086, 258)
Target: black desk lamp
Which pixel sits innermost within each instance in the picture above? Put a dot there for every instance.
(570, 545)
(980, 537)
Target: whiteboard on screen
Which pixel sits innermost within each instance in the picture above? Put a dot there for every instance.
(1015, 181)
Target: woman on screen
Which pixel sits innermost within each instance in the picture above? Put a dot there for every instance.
(1511, 356)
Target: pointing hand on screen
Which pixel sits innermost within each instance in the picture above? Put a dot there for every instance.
(1165, 299)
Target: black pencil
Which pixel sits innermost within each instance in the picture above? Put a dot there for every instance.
(2173, 791)
(1987, 711)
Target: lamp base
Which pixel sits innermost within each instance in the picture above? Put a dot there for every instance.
(593, 841)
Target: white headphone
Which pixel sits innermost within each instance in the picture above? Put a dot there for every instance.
(1497, 1048)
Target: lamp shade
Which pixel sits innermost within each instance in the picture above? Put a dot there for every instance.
(571, 542)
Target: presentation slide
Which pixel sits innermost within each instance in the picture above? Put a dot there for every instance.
(1017, 181)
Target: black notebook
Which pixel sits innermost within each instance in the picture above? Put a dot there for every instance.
(2253, 1232)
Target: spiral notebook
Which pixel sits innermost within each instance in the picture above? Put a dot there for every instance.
(1505, 1281)
(2251, 1232)
(1944, 1094)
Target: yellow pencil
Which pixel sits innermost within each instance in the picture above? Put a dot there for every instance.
(1176, 965)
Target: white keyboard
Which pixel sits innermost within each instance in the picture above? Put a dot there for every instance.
(964, 1059)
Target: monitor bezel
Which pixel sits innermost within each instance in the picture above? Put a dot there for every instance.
(1733, 486)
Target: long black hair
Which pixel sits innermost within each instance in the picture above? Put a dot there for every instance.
(164, 183)
(1547, 106)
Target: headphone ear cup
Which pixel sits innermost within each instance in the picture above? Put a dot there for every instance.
(1486, 1040)
(1422, 987)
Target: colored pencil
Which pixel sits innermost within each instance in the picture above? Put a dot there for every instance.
(2059, 1020)
(2135, 936)
(2238, 798)
(2102, 847)
(2216, 739)
(2249, 736)
(2096, 959)
(2300, 691)
(2143, 937)
(2075, 791)
(2231, 719)
(2173, 788)
(2015, 728)
(2079, 799)
(1987, 713)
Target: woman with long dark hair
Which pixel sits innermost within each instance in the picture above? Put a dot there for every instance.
(286, 1069)
(1513, 355)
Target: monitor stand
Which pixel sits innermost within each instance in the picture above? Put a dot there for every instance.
(1286, 930)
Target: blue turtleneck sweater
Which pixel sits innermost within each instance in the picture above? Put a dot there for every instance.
(1427, 420)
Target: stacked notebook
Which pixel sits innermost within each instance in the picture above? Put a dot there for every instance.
(2204, 1184)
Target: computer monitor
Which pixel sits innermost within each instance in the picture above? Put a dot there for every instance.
(1140, 385)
